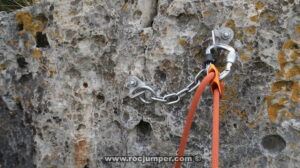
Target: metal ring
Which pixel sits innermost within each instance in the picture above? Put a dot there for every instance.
(195, 87)
(131, 95)
(198, 74)
(146, 88)
(182, 92)
(159, 99)
(170, 95)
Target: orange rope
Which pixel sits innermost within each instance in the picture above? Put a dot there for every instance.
(215, 130)
(212, 78)
(191, 114)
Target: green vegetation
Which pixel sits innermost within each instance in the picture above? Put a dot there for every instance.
(12, 5)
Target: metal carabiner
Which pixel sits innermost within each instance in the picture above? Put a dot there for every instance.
(230, 58)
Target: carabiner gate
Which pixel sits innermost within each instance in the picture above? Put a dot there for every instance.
(230, 58)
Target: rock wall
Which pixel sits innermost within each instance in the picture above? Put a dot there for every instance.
(64, 64)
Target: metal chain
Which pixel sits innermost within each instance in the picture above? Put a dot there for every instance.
(146, 94)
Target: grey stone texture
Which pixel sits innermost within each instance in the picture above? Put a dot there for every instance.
(64, 65)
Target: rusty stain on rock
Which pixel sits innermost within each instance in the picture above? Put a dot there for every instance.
(30, 23)
(182, 42)
(37, 53)
(297, 29)
(259, 5)
(250, 30)
(81, 153)
(286, 84)
(254, 19)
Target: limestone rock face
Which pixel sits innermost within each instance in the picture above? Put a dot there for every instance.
(64, 65)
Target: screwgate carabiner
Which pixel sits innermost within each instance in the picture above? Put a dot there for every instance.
(230, 58)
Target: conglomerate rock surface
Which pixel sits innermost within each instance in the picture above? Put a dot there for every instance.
(64, 64)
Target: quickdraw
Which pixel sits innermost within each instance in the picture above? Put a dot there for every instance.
(137, 88)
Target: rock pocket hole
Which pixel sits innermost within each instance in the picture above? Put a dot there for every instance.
(81, 127)
(41, 40)
(100, 39)
(1, 157)
(100, 97)
(22, 62)
(160, 75)
(85, 85)
(137, 14)
(235, 125)
(126, 117)
(143, 131)
(20, 27)
(273, 143)
(25, 78)
(126, 100)
(51, 7)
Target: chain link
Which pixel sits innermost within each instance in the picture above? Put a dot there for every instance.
(140, 90)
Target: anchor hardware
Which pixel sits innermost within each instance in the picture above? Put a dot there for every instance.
(220, 37)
